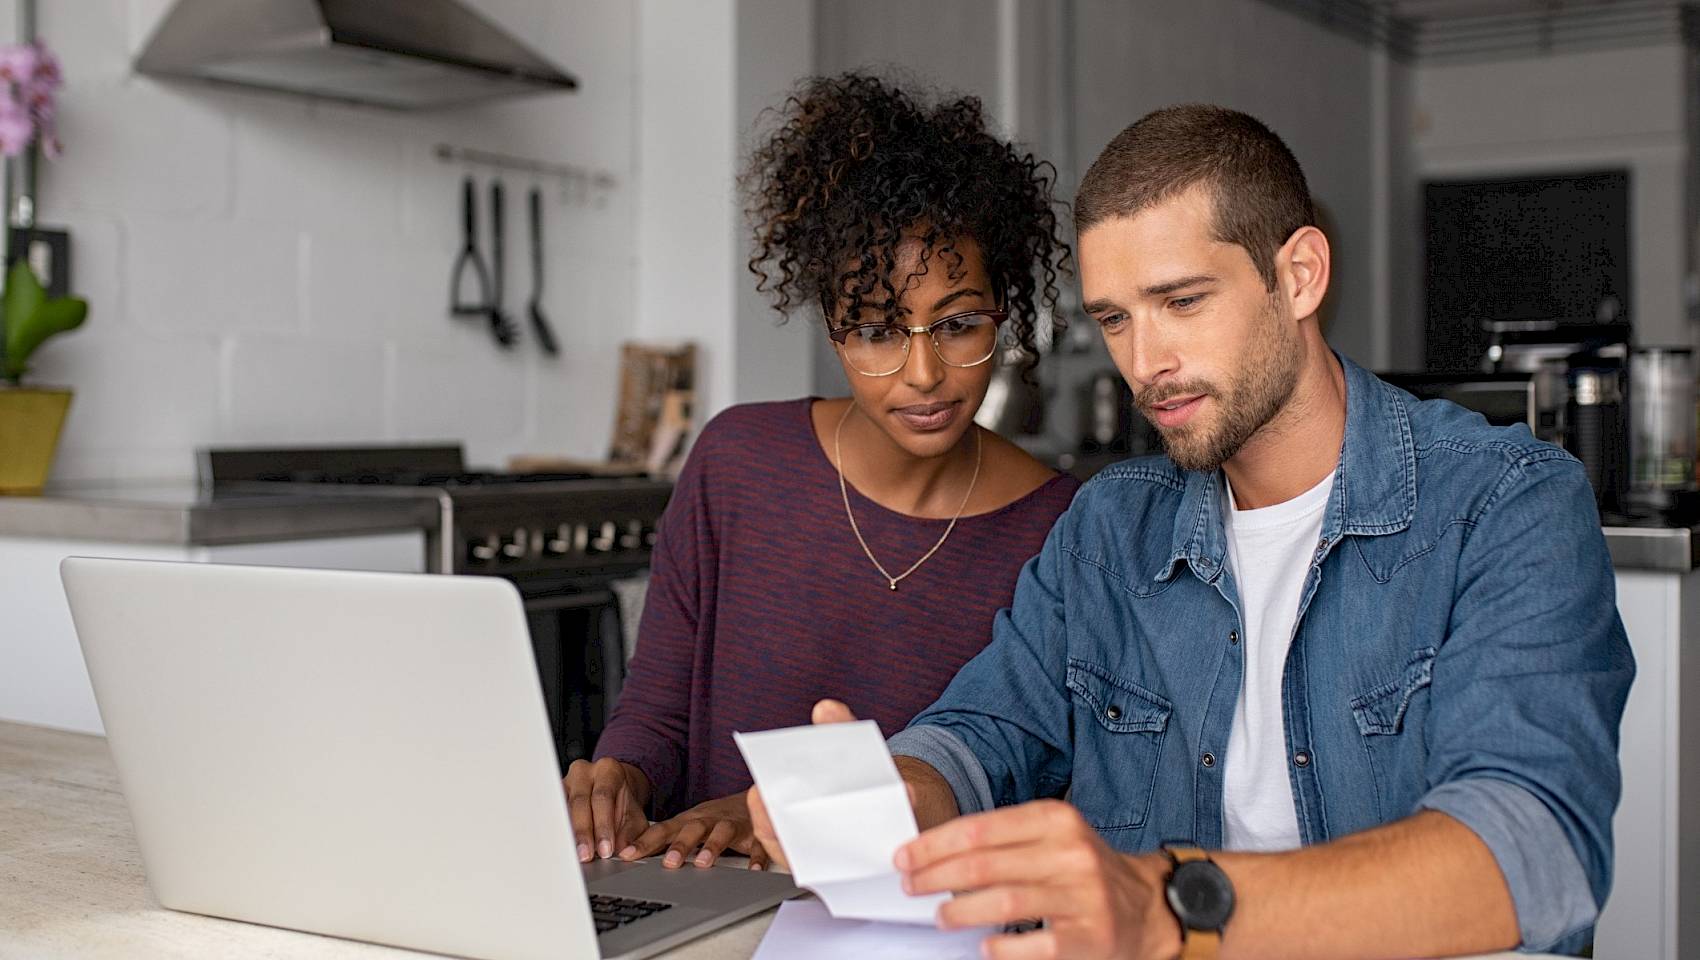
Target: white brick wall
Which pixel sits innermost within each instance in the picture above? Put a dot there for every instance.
(264, 269)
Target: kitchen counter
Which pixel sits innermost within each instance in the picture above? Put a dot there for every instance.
(71, 880)
(1654, 549)
(183, 514)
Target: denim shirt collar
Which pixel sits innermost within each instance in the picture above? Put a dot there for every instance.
(1375, 485)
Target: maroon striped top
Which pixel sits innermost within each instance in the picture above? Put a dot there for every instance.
(761, 602)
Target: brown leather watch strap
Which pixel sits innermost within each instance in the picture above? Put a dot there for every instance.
(1200, 945)
(1185, 854)
(1195, 944)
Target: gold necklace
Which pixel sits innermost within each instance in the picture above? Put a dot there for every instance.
(844, 491)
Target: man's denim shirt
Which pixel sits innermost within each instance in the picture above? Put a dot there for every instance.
(1458, 649)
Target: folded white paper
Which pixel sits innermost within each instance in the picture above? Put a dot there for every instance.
(841, 812)
(804, 929)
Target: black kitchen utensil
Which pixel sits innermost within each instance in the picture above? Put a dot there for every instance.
(501, 327)
(469, 261)
(539, 322)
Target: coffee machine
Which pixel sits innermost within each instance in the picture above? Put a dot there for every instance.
(1580, 374)
(1628, 414)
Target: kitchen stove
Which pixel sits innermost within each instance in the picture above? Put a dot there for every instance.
(518, 525)
(561, 538)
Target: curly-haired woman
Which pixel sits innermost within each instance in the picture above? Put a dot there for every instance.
(860, 545)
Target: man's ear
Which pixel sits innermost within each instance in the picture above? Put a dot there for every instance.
(1302, 270)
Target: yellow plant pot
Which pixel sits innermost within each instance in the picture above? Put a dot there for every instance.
(29, 434)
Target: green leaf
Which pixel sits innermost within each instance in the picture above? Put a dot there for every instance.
(31, 318)
(23, 295)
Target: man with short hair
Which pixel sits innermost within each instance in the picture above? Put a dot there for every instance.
(1340, 676)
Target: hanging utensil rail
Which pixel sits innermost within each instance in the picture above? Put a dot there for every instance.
(569, 173)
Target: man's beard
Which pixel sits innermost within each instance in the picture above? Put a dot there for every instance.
(1266, 383)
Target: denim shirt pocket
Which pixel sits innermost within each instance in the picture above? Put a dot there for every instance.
(1396, 758)
(1381, 712)
(1120, 727)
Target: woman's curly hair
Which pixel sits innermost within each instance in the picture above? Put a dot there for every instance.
(858, 165)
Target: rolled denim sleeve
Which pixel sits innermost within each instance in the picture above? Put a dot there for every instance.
(1555, 904)
(1528, 692)
(1000, 731)
(945, 752)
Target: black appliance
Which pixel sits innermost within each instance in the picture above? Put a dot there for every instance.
(1519, 249)
(1504, 399)
(1567, 382)
(561, 538)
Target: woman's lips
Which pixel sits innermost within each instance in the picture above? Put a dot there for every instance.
(1176, 411)
(927, 417)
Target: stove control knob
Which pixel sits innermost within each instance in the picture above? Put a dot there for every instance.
(561, 543)
(605, 538)
(581, 538)
(515, 549)
(632, 539)
(484, 551)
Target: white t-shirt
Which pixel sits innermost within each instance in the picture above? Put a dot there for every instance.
(1271, 550)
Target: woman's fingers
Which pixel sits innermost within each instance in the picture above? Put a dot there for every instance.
(606, 795)
(715, 843)
(649, 842)
(689, 837)
(759, 859)
(576, 784)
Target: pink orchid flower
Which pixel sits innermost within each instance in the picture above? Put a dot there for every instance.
(16, 128)
(47, 74)
(18, 62)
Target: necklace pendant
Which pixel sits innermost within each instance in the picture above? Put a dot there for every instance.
(894, 586)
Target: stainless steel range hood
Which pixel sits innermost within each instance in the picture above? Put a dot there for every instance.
(401, 54)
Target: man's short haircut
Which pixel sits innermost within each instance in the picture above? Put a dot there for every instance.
(1254, 181)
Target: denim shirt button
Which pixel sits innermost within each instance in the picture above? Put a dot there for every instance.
(1233, 638)
(1113, 712)
(1208, 760)
(1301, 759)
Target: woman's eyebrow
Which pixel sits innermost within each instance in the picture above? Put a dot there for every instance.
(956, 295)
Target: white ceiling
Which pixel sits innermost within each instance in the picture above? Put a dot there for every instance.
(1420, 11)
(1465, 29)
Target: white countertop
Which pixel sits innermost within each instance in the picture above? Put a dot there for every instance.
(71, 881)
(184, 514)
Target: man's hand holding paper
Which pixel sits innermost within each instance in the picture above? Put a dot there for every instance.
(835, 795)
(1038, 859)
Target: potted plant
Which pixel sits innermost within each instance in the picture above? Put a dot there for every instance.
(30, 417)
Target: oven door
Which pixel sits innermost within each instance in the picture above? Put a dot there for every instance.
(576, 637)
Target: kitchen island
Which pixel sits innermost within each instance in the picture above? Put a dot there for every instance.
(72, 886)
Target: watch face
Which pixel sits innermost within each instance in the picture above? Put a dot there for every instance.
(1200, 894)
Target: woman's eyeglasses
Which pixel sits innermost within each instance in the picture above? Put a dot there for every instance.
(960, 340)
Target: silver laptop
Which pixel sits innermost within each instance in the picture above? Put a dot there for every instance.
(363, 755)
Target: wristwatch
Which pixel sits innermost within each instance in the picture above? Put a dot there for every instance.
(1202, 898)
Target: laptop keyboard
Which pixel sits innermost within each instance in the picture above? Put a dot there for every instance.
(612, 913)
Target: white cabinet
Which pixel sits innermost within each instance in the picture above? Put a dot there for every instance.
(42, 677)
(1654, 909)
